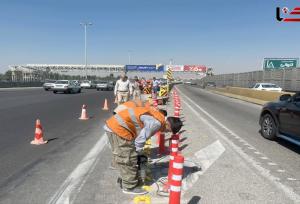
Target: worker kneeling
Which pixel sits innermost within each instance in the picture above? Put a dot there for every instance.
(128, 131)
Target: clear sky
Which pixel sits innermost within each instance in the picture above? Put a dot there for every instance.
(230, 36)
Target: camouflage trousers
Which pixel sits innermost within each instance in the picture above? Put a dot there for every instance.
(125, 158)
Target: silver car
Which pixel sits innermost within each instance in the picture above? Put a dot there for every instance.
(49, 84)
(66, 86)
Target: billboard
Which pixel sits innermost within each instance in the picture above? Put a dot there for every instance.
(194, 68)
(175, 68)
(280, 63)
(145, 68)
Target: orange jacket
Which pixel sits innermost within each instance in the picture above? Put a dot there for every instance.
(132, 104)
(127, 123)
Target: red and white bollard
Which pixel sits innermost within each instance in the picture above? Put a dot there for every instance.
(175, 184)
(174, 146)
(167, 184)
(155, 102)
(176, 113)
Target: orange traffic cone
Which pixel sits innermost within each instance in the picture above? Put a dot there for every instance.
(38, 135)
(116, 100)
(84, 115)
(105, 107)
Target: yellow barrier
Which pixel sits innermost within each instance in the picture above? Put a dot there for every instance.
(256, 94)
(163, 91)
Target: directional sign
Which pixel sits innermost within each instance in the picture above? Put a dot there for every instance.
(280, 63)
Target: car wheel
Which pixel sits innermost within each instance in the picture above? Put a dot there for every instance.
(55, 92)
(268, 127)
(79, 91)
(46, 89)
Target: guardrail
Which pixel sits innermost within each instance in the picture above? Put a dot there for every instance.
(20, 84)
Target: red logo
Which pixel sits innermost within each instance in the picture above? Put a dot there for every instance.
(293, 14)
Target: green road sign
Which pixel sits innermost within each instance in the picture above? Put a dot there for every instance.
(280, 63)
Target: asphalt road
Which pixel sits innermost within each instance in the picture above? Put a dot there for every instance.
(35, 174)
(280, 157)
(59, 115)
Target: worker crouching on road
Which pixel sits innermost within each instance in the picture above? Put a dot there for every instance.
(129, 129)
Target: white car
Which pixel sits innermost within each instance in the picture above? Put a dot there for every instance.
(66, 86)
(86, 84)
(49, 84)
(267, 87)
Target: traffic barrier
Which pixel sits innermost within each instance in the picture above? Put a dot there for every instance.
(176, 179)
(84, 115)
(174, 146)
(166, 186)
(105, 106)
(176, 113)
(38, 134)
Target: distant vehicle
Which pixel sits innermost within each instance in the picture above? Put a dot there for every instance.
(86, 84)
(210, 84)
(104, 85)
(267, 87)
(66, 86)
(48, 84)
(282, 119)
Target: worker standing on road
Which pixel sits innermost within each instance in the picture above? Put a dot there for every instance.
(128, 130)
(136, 89)
(155, 85)
(122, 89)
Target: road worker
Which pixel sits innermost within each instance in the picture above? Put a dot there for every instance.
(129, 129)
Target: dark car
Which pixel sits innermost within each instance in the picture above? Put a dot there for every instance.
(282, 119)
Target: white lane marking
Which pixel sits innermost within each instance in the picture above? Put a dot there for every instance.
(272, 164)
(264, 158)
(257, 152)
(264, 172)
(291, 179)
(208, 155)
(205, 157)
(77, 178)
(280, 170)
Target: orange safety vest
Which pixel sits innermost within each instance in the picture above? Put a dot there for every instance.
(127, 123)
(136, 103)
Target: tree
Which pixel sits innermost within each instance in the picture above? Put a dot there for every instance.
(8, 75)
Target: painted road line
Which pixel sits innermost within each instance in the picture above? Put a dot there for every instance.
(261, 170)
(205, 157)
(69, 189)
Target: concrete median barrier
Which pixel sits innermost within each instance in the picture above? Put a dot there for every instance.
(250, 95)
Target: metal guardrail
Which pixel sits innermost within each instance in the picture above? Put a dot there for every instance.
(20, 84)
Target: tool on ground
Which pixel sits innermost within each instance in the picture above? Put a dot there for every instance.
(142, 166)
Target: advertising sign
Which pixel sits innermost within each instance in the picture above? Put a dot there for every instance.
(194, 68)
(175, 68)
(146, 68)
(280, 63)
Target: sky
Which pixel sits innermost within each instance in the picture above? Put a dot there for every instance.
(229, 36)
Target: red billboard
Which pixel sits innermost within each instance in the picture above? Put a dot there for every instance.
(194, 68)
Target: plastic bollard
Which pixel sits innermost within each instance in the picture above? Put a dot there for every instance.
(175, 184)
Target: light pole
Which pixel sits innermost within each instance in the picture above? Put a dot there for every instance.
(85, 24)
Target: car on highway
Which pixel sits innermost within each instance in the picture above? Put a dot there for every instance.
(48, 84)
(86, 84)
(282, 119)
(104, 85)
(66, 86)
(267, 87)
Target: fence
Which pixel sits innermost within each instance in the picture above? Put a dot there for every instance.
(287, 79)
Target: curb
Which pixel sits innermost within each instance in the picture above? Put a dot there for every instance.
(19, 88)
(243, 98)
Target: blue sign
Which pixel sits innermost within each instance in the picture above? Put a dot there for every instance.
(145, 68)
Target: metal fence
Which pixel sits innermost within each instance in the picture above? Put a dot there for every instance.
(287, 79)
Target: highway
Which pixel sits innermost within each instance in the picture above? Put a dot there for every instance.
(34, 174)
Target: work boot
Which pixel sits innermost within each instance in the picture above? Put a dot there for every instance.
(135, 191)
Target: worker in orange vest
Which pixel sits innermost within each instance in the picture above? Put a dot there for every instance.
(132, 104)
(128, 131)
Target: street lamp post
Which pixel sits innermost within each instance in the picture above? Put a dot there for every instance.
(85, 24)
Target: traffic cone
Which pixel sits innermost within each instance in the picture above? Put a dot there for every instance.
(105, 107)
(38, 135)
(84, 115)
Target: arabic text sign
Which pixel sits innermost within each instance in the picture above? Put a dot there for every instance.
(146, 68)
(277, 63)
(175, 68)
(194, 68)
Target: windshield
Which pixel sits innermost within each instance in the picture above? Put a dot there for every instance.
(270, 86)
(50, 81)
(61, 82)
